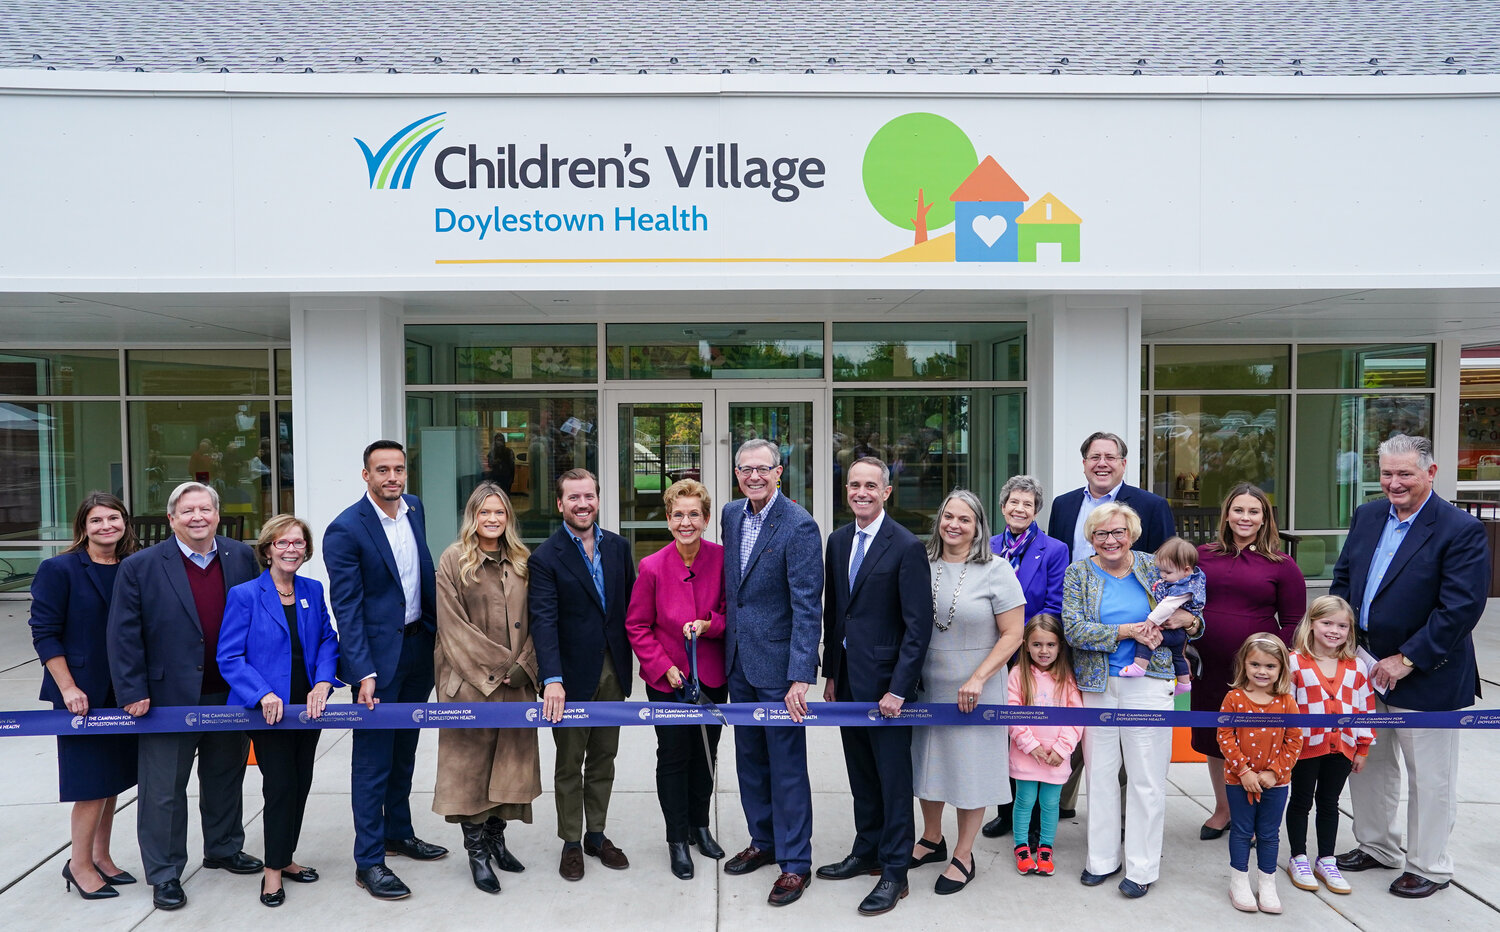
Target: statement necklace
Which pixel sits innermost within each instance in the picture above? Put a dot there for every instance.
(936, 581)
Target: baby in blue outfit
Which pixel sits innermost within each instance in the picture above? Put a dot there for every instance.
(1179, 584)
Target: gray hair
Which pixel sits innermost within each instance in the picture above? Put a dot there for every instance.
(759, 443)
(979, 550)
(1021, 484)
(877, 462)
(187, 487)
(1402, 444)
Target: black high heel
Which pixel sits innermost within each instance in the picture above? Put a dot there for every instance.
(103, 893)
(115, 880)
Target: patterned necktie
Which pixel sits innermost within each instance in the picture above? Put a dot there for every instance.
(859, 557)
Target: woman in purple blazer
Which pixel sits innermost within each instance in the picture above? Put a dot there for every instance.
(680, 588)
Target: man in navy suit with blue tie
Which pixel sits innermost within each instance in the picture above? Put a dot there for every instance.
(384, 598)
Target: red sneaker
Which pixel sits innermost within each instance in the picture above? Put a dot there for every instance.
(1044, 860)
(1024, 863)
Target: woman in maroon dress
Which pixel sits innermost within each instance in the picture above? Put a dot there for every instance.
(1253, 587)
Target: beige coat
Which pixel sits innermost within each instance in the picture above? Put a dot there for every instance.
(482, 632)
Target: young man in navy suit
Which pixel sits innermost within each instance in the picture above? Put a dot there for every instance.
(877, 619)
(1104, 475)
(384, 593)
(1417, 571)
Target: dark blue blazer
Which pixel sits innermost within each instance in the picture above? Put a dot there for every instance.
(886, 616)
(569, 628)
(155, 639)
(773, 615)
(69, 612)
(1157, 523)
(255, 646)
(1430, 599)
(1041, 571)
(368, 600)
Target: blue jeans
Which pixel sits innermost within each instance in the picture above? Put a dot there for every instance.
(1262, 820)
(1028, 794)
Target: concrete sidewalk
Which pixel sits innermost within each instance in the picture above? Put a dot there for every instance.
(1190, 894)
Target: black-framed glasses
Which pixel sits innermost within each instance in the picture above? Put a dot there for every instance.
(1116, 534)
(756, 470)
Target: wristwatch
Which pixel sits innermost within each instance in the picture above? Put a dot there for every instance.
(1407, 661)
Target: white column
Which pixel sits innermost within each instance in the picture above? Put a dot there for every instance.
(1445, 426)
(348, 388)
(1085, 376)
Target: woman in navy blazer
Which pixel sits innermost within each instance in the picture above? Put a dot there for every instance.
(276, 648)
(69, 607)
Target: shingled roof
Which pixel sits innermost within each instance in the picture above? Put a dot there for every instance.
(942, 37)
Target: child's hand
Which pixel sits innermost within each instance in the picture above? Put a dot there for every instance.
(1250, 780)
(1054, 759)
(1359, 762)
(1041, 755)
(1267, 779)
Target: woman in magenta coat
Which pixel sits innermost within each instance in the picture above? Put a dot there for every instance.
(1254, 587)
(679, 589)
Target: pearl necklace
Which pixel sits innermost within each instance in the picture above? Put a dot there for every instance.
(953, 607)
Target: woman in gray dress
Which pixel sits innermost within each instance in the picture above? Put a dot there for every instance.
(979, 614)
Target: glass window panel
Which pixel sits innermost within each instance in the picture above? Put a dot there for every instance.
(946, 351)
(1315, 554)
(450, 437)
(172, 442)
(1479, 439)
(1203, 445)
(283, 372)
(51, 455)
(501, 354)
(1235, 366)
(1338, 436)
(45, 372)
(1369, 365)
(714, 351)
(286, 502)
(18, 564)
(205, 372)
(659, 445)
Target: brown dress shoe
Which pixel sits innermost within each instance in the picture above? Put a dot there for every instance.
(752, 858)
(788, 888)
(608, 855)
(1415, 886)
(571, 866)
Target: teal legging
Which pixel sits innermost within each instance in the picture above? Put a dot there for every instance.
(1028, 793)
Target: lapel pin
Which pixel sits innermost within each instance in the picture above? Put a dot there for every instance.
(304, 603)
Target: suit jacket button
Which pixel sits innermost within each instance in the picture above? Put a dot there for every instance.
(200, 668)
(518, 624)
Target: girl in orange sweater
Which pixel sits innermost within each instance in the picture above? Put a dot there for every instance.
(1258, 764)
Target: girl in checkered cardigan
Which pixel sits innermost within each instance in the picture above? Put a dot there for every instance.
(1327, 678)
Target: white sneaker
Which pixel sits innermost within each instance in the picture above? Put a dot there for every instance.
(1301, 873)
(1239, 891)
(1327, 870)
(1266, 894)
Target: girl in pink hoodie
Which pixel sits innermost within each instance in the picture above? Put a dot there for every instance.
(1039, 753)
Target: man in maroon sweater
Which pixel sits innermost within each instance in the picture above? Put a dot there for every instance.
(163, 642)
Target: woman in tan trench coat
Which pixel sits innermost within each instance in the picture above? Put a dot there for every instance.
(485, 776)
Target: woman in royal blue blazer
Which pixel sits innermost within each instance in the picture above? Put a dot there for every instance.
(1040, 563)
(277, 648)
(69, 607)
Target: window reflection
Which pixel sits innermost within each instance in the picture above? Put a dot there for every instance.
(223, 444)
(702, 351)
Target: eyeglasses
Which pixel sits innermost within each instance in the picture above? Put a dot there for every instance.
(289, 544)
(1104, 458)
(677, 517)
(1116, 534)
(756, 470)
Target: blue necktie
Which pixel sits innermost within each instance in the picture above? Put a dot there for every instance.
(859, 557)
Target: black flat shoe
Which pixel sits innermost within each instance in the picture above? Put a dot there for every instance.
(1209, 833)
(271, 899)
(681, 860)
(116, 880)
(104, 892)
(305, 875)
(937, 853)
(945, 886)
(708, 847)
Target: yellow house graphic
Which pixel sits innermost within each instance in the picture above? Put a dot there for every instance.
(1048, 221)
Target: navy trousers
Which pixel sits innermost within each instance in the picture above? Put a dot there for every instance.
(774, 789)
(879, 764)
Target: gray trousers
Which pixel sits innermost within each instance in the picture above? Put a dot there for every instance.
(162, 802)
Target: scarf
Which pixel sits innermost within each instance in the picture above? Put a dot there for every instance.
(1013, 548)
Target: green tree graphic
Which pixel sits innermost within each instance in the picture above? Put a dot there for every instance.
(912, 164)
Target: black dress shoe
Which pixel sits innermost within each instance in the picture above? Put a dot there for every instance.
(752, 858)
(305, 875)
(237, 863)
(884, 897)
(381, 883)
(1415, 886)
(681, 859)
(271, 899)
(1360, 860)
(104, 892)
(414, 848)
(850, 866)
(1207, 832)
(116, 880)
(936, 853)
(700, 835)
(999, 825)
(168, 895)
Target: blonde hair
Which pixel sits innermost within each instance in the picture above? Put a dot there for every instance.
(1325, 606)
(1272, 647)
(1110, 510)
(1062, 665)
(511, 547)
(687, 488)
(273, 529)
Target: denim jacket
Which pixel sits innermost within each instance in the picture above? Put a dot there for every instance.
(1092, 640)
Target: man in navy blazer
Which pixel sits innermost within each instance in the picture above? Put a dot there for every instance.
(384, 597)
(163, 633)
(1104, 475)
(1417, 572)
(773, 581)
(877, 622)
(578, 589)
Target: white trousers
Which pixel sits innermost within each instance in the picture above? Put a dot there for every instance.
(1431, 759)
(1146, 753)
